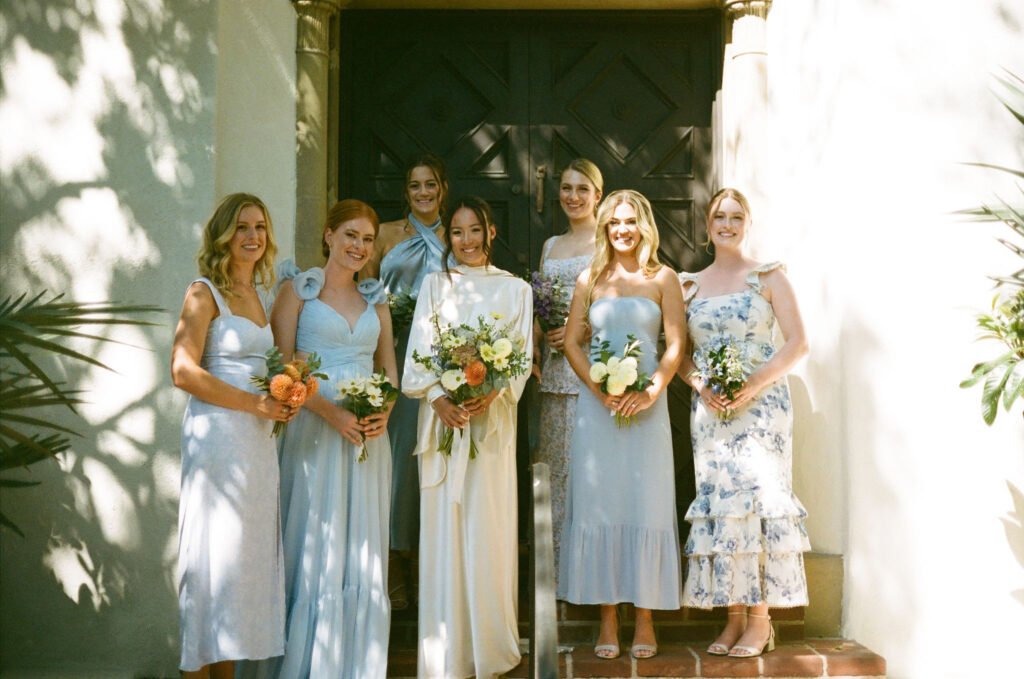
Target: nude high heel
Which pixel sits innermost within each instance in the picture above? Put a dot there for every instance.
(751, 652)
(722, 649)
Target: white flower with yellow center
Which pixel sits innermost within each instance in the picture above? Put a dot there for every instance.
(487, 352)
(452, 379)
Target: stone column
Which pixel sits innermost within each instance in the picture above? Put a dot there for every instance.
(741, 107)
(312, 121)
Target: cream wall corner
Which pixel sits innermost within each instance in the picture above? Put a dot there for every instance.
(120, 125)
(872, 107)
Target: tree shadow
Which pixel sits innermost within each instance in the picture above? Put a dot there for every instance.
(103, 198)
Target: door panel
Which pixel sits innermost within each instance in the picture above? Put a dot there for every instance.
(500, 94)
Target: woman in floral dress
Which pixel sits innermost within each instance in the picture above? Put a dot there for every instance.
(564, 256)
(747, 540)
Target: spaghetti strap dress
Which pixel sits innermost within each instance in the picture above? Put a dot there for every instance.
(747, 537)
(230, 571)
(559, 387)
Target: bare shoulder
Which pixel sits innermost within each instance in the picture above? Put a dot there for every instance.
(391, 234)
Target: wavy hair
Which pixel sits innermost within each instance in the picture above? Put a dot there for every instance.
(435, 165)
(214, 257)
(716, 200)
(646, 250)
(343, 211)
(588, 169)
(484, 215)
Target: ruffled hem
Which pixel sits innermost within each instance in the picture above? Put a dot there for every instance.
(748, 579)
(767, 505)
(621, 563)
(748, 535)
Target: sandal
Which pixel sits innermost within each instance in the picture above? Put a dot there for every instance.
(721, 649)
(750, 651)
(607, 651)
(643, 651)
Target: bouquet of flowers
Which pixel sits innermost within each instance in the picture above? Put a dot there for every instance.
(402, 305)
(721, 368)
(551, 298)
(617, 374)
(473, 361)
(365, 396)
(291, 383)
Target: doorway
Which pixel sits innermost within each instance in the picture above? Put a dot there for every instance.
(508, 98)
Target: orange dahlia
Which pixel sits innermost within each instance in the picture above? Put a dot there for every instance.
(475, 373)
(298, 395)
(293, 372)
(312, 386)
(281, 386)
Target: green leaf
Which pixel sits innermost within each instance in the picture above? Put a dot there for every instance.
(990, 394)
(982, 369)
(22, 455)
(1014, 387)
(1016, 173)
(4, 521)
(14, 483)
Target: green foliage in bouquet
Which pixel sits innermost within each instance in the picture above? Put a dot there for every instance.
(30, 326)
(1003, 377)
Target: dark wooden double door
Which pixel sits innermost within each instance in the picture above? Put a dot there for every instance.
(508, 98)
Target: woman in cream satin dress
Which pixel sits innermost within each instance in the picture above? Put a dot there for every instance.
(468, 542)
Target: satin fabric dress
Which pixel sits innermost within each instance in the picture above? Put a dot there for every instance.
(401, 271)
(334, 510)
(230, 570)
(620, 542)
(747, 537)
(468, 536)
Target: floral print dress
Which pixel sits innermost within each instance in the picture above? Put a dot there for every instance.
(747, 537)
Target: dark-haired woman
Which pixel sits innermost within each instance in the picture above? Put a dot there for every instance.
(407, 250)
(334, 507)
(230, 575)
(468, 543)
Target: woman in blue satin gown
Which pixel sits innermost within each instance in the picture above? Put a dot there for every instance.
(620, 542)
(334, 508)
(407, 250)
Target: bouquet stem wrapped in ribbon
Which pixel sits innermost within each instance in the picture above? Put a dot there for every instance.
(291, 383)
(365, 396)
(473, 361)
(618, 374)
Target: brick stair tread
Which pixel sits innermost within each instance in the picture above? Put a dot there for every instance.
(810, 658)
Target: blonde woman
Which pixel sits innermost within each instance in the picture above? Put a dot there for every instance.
(230, 571)
(620, 540)
(564, 256)
(747, 541)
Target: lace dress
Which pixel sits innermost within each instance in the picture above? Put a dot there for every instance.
(747, 540)
(559, 387)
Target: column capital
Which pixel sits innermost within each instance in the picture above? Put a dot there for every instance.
(737, 8)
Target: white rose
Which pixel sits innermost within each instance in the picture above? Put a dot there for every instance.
(613, 365)
(598, 371)
(452, 379)
(615, 385)
(627, 374)
(502, 348)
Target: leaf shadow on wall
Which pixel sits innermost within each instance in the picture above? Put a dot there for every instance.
(96, 205)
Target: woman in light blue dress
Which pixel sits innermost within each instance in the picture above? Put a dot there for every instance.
(747, 541)
(620, 540)
(334, 508)
(564, 256)
(407, 250)
(230, 572)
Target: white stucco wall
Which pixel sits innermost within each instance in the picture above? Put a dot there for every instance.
(121, 123)
(873, 105)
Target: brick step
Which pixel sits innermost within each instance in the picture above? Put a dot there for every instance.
(811, 658)
(579, 624)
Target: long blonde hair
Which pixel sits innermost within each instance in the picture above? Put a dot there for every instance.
(214, 256)
(646, 249)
